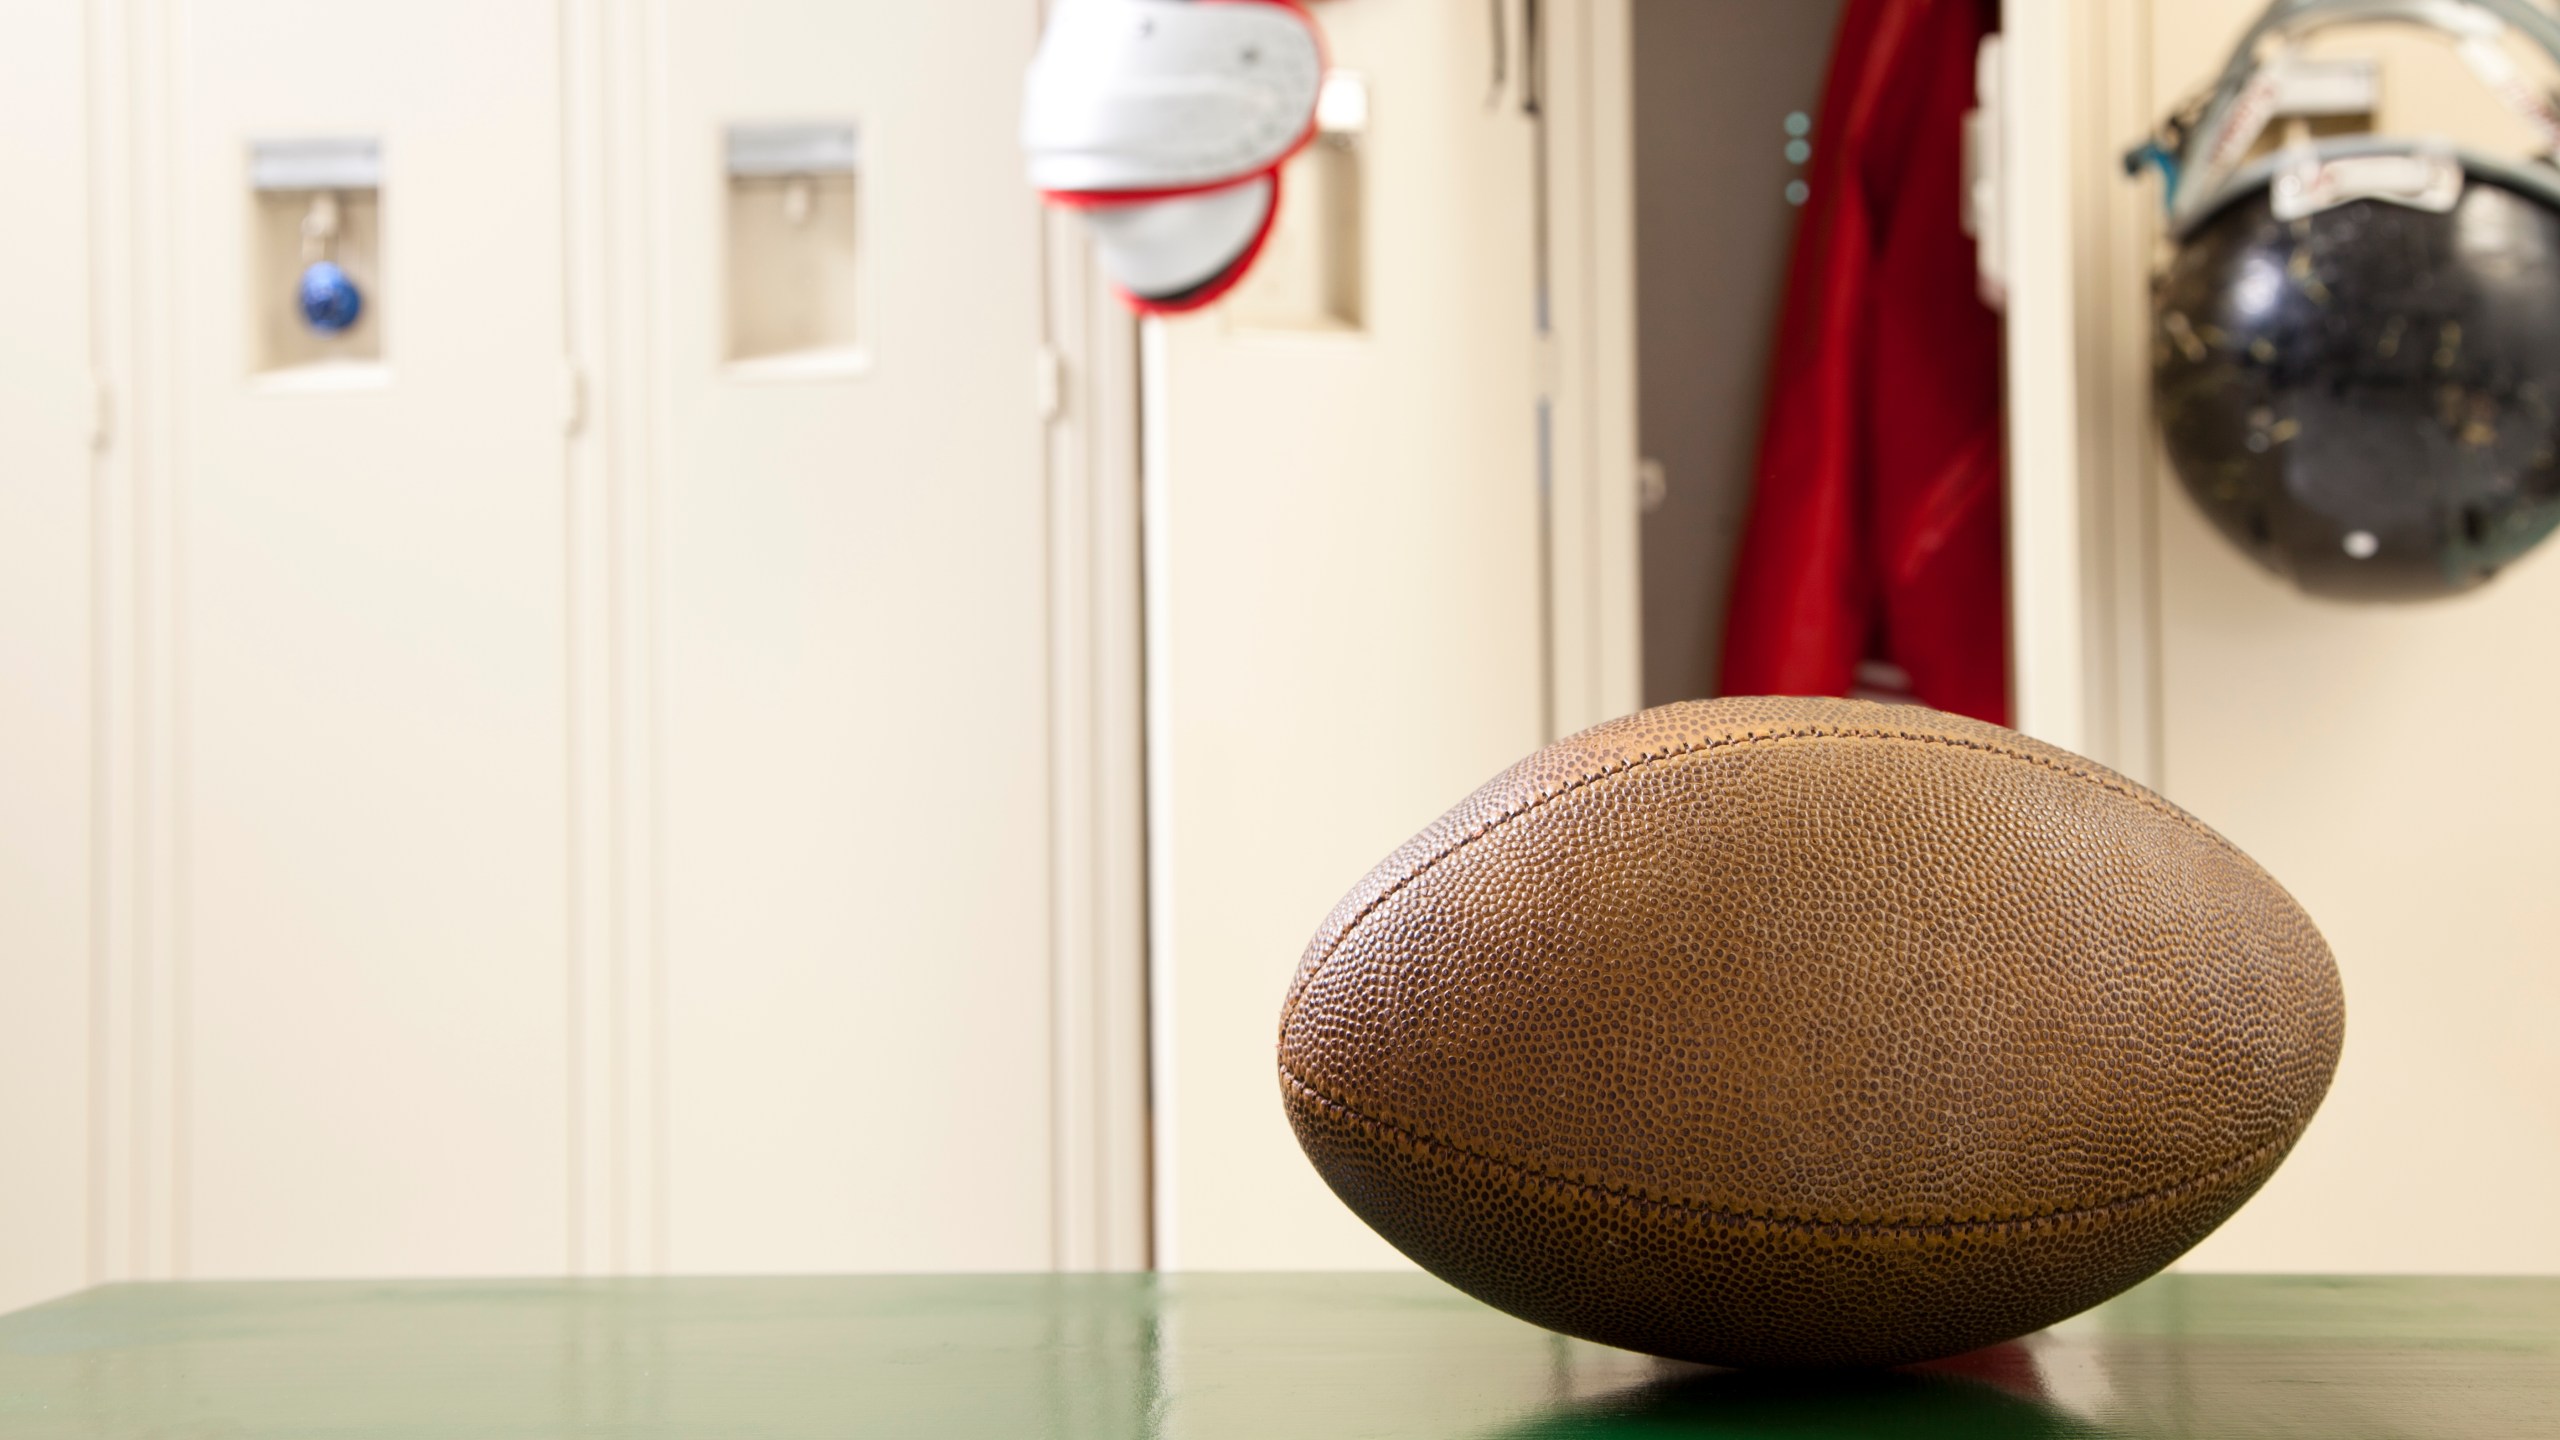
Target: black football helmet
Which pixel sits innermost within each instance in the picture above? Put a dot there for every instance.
(2356, 341)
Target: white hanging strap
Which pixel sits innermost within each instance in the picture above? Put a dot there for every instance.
(2247, 119)
(2498, 70)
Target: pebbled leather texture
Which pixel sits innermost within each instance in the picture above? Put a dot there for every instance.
(1806, 1033)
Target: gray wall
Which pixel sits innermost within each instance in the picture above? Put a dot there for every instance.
(1715, 80)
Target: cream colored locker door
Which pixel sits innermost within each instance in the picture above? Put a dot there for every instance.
(2390, 764)
(352, 888)
(47, 717)
(1344, 607)
(856, 886)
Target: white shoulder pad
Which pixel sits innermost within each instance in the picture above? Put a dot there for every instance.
(1169, 256)
(1158, 95)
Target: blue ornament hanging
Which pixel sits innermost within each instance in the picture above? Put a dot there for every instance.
(329, 298)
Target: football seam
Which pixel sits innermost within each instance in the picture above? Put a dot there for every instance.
(2111, 785)
(1819, 1229)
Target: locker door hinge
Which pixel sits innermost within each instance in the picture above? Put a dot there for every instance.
(1048, 383)
(573, 398)
(102, 416)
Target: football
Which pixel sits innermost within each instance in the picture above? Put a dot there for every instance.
(1806, 1033)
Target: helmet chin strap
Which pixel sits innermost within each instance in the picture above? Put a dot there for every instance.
(1166, 122)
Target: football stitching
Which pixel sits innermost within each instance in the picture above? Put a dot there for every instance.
(2109, 784)
(1822, 1228)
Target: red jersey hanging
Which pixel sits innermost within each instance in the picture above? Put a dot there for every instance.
(1876, 511)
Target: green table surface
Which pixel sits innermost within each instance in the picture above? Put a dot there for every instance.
(1225, 1356)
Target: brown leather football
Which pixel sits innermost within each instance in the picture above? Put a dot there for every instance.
(1806, 1032)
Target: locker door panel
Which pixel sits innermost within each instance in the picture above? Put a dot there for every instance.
(367, 691)
(1345, 606)
(857, 872)
(47, 720)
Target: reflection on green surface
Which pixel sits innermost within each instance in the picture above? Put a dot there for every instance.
(1909, 1405)
(1229, 1357)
